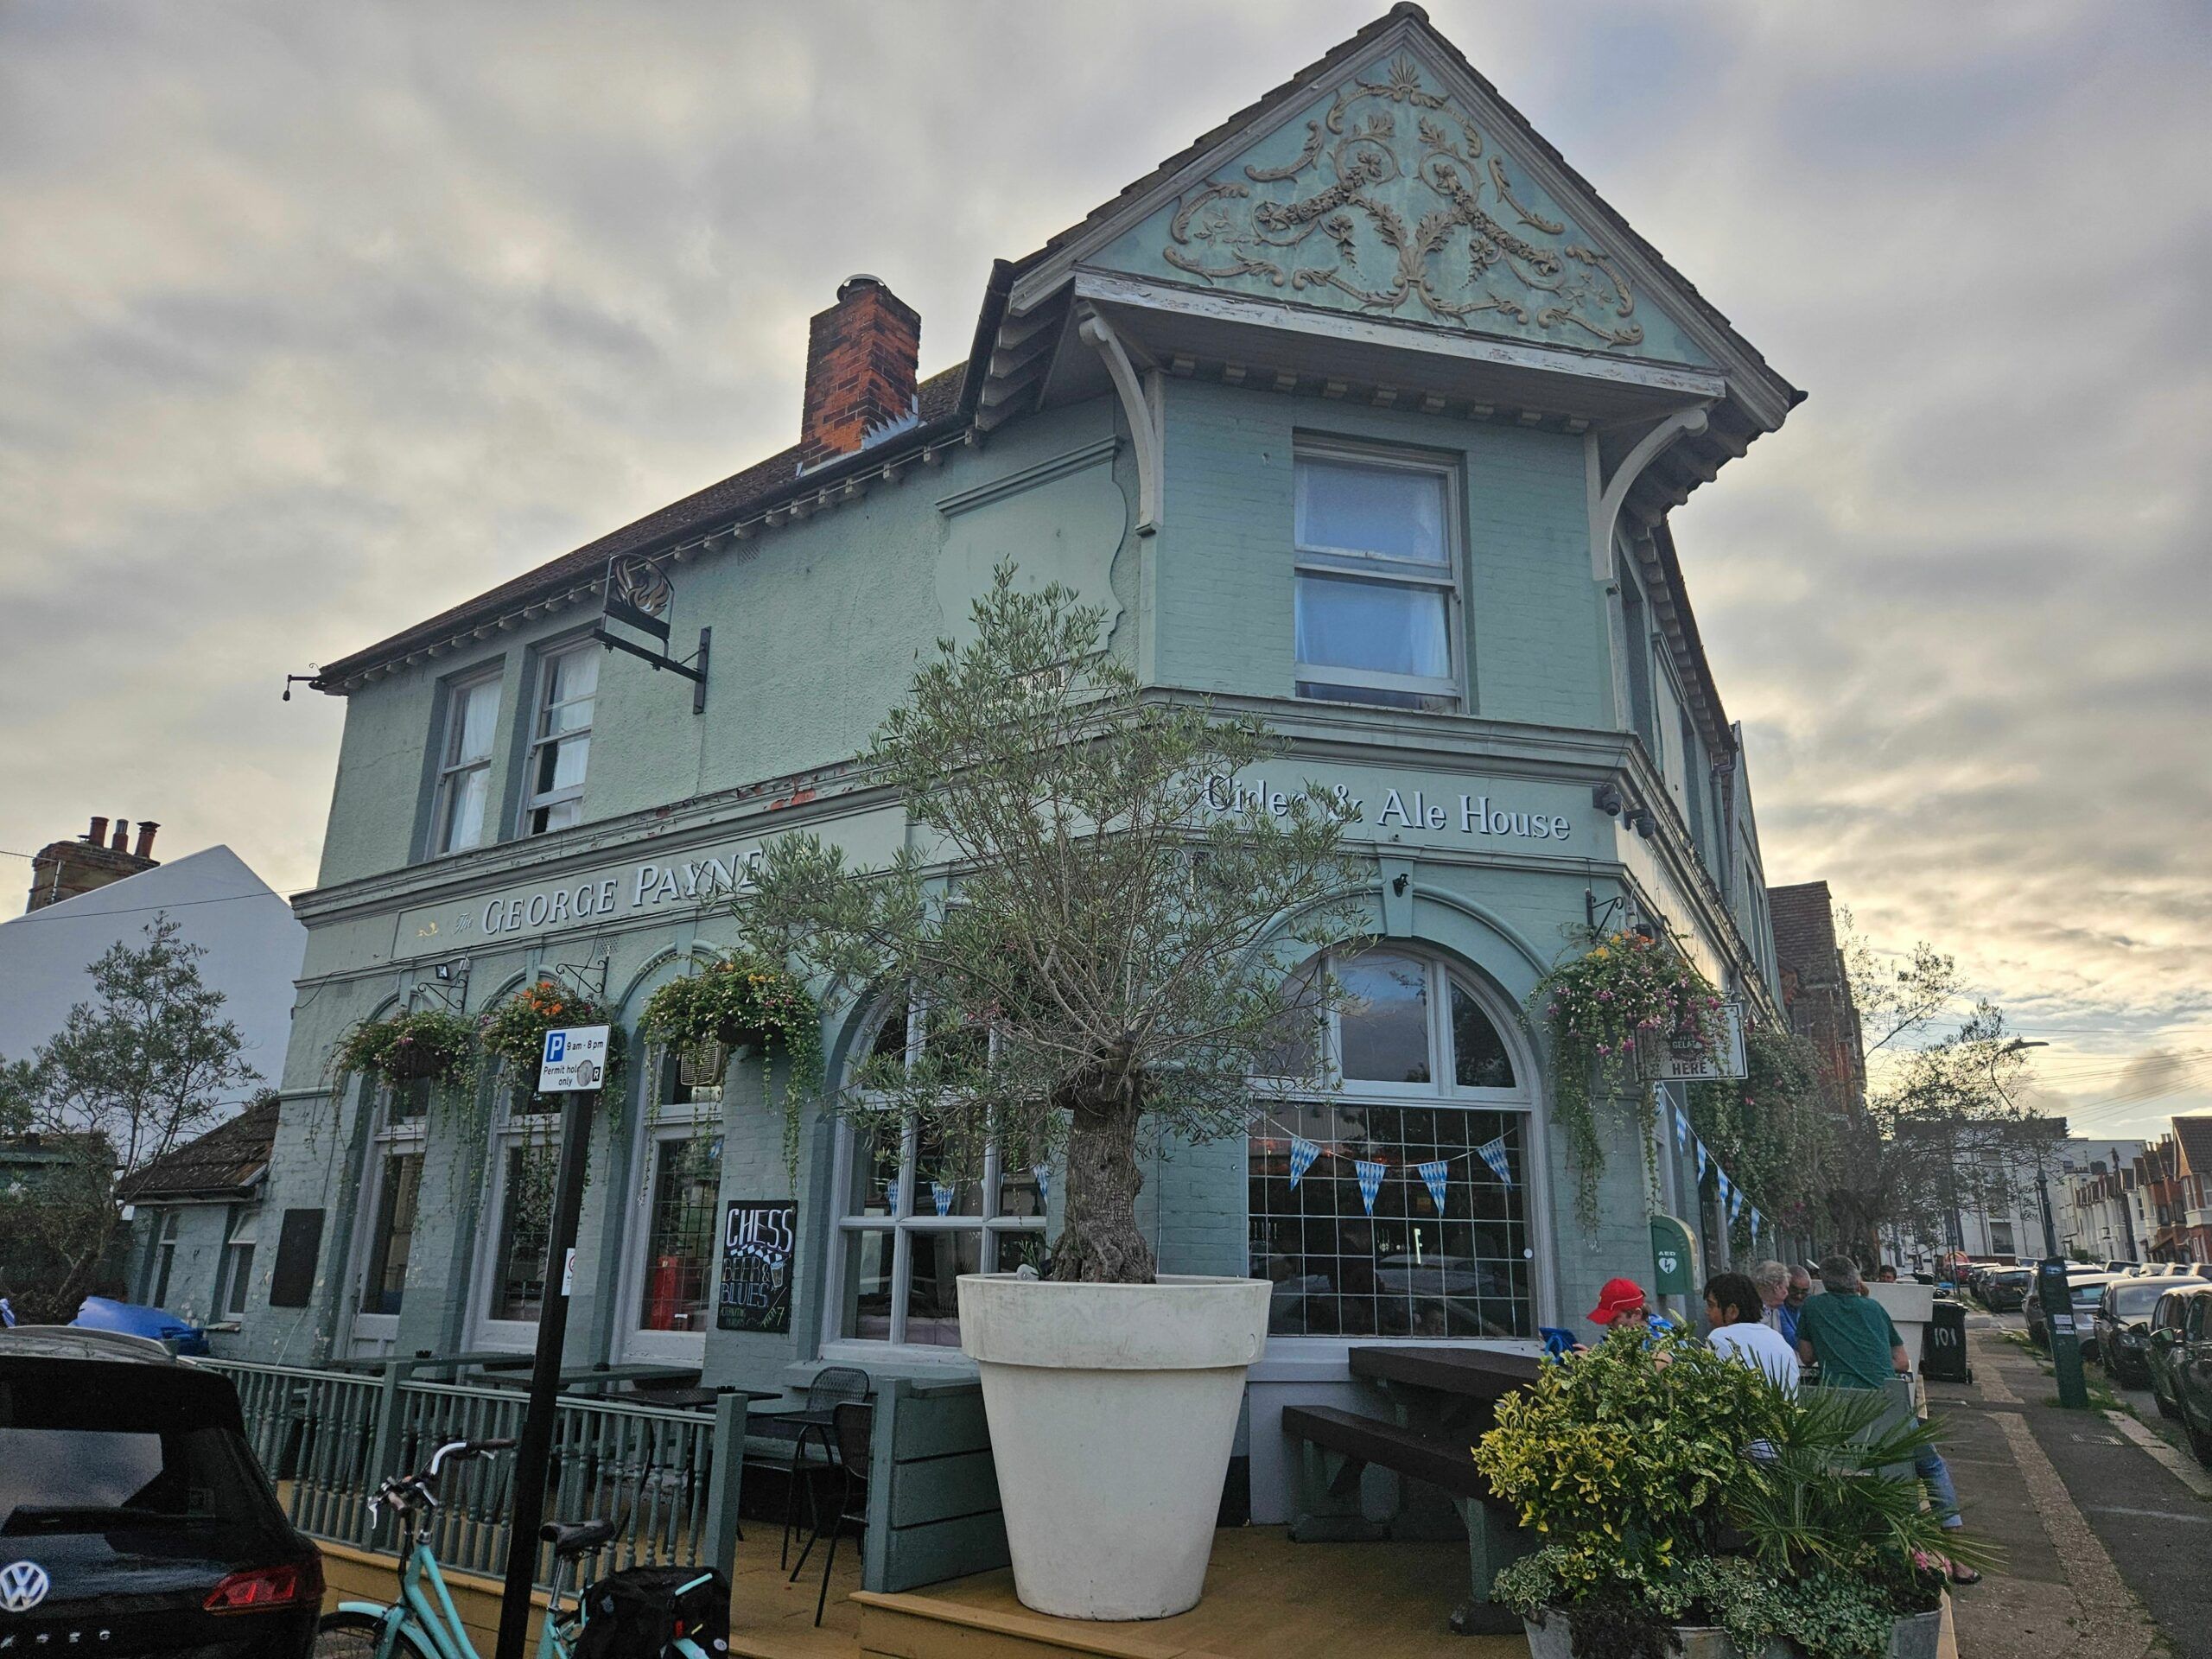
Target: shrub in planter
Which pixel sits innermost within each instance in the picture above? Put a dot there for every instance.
(424, 1044)
(512, 1035)
(1114, 960)
(1675, 1489)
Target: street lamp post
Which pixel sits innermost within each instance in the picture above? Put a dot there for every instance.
(2051, 1283)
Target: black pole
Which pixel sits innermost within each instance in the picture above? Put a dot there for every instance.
(534, 1451)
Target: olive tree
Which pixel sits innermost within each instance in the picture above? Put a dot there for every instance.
(1111, 953)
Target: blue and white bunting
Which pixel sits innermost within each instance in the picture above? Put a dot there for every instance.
(1700, 1163)
(1722, 1184)
(1735, 1205)
(1302, 1154)
(1755, 1223)
(1681, 1130)
(1044, 1174)
(1434, 1172)
(1371, 1181)
(1493, 1153)
(941, 1195)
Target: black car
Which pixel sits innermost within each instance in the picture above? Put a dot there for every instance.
(133, 1516)
(2123, 1327)
(2003, 1290)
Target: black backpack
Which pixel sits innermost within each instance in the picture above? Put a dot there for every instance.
(636, 1613)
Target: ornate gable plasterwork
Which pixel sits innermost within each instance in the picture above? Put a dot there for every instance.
(1396, 204)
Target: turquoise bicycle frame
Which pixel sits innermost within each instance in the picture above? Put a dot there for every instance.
(425, 1614)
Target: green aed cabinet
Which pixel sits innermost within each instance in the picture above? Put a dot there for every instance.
(1674, 1258)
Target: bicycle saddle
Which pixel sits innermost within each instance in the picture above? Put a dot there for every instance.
(570, 1539)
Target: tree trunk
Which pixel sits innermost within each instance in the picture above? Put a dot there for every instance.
(1100, 1242)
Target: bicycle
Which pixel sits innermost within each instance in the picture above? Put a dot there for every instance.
(423, 1624)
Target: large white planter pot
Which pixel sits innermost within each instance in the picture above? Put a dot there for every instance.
(1112, 1410)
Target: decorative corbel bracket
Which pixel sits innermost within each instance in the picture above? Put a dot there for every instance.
(1139, 396)
(1607, 495)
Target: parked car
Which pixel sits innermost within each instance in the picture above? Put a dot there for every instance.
(2122, 1327)
(2002, 1289)
(2163, 1270)
(2190, 1362)
(2082, 1290)
(2163, 1353)
(2117, 1266)
(137, 1519)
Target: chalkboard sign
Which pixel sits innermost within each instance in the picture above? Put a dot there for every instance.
(759, 1238)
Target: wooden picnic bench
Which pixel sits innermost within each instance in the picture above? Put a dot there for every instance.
(1445, 1399)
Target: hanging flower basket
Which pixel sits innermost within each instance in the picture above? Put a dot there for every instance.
(1600, 1008)
(735, 1002)
(512, 1035)
(743, 1001)
(409, 1047)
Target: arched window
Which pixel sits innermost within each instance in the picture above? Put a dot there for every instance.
(909, 1223)
(1434, 1103)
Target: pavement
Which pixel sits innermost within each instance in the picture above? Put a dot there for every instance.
(2105, 1520)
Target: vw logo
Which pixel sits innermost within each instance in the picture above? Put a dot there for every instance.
(24, 1585)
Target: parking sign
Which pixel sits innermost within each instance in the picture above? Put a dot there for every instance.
(574, 1060)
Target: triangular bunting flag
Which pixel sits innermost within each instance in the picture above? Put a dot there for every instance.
(1302, 1154)
(1721, 1183)
(1700, 1163)
(1434, 1172)
(1044, 1174)
(1755, 1223)
(1493, 1153)
(1735, 1205)
(1371, 1181)
(1681, 1130)
(941, 1195)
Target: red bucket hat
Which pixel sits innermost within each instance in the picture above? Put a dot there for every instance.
(1619, 1297)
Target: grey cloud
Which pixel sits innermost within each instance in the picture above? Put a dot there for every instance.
(323, 318)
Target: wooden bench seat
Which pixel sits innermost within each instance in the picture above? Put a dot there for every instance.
(1370, 1441)
(1328, 1507)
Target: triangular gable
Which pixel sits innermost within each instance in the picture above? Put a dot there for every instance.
(1398, 187)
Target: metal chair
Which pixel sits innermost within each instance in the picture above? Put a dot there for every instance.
(856, 1436)
(833, 1385)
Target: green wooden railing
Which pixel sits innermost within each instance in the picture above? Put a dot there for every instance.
(668, 1478)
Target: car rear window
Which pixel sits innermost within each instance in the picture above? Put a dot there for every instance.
(80, 1453)
(2134, 1301)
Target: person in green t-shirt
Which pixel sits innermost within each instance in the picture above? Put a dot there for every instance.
(1851, 1337)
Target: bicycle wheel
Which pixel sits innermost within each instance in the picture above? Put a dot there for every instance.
(356, 1636)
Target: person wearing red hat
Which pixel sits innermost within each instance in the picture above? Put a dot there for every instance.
(1622, 1305)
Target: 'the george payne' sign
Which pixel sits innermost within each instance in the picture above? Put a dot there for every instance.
(591, 898)
(1450, 812)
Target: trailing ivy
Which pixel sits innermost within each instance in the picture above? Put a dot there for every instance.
(745, 1002)
(1769, 1128)
(1597, 1008)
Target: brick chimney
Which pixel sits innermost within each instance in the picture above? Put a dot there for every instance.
(65, 869)
(862, 358)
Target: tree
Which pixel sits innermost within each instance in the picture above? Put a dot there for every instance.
(1115, 949)
(1943, 1132)
(145, 1065)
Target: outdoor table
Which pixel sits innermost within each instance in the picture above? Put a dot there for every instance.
(496, 1373)
(1450, 1395)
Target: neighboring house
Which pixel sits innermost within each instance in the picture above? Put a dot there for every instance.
(195, 1223)
(1407, 497)
(2193, 1196)
(2090, 1190)
(252, 940)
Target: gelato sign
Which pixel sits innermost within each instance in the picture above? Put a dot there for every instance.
(674, 883)
(1390, 808)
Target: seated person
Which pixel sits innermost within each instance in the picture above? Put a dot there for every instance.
(1733, 1308)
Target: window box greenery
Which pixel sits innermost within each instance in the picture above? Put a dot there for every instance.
(1677, 1492)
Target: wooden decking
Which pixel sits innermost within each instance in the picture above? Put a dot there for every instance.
(1266, 1599)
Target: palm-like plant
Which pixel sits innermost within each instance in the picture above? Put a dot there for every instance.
(1835, 1489)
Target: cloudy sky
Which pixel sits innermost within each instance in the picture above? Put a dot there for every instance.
(318, 319)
